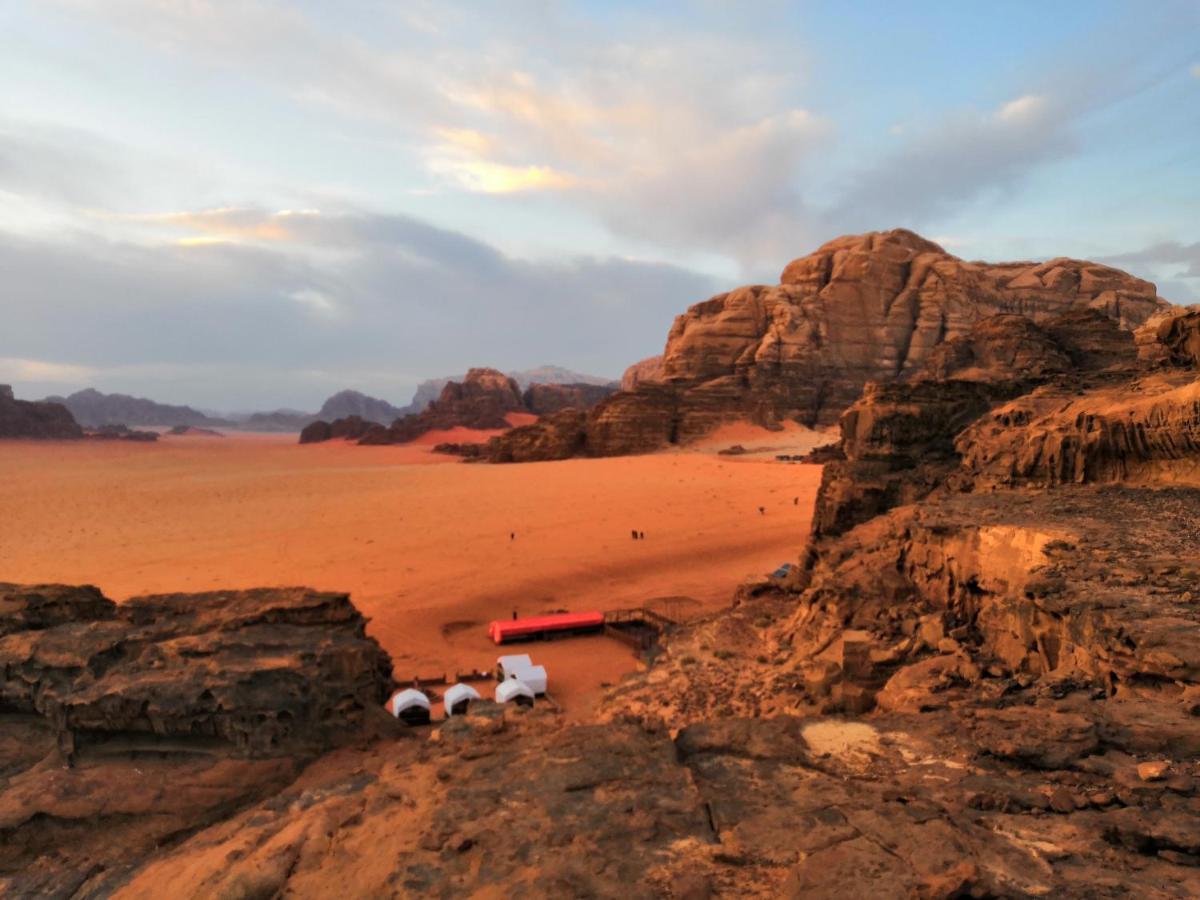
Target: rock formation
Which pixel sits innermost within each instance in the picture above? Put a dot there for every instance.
(431, 389)
(351, 428)
(649, 369)
(27, 419)
(172, 711)
(93, 409)
(483, 401)
(345, 404)
(1012, 663)
(543, 398)
(870, 307)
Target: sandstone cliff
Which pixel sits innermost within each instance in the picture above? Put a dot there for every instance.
(870, 307)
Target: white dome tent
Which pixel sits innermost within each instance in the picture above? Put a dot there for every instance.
(506, 665)
(513, 691)
(532, 676)
(459, 698)
(410, 706)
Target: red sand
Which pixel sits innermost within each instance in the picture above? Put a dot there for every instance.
(421, 542)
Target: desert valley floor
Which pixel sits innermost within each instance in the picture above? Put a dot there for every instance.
(422, 544)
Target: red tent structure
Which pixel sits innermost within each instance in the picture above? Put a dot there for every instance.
(504, 631)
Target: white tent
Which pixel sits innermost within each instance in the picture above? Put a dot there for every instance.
(515, 692)
(506, 665)
(410, 705)
(533, 676)
(458, 698)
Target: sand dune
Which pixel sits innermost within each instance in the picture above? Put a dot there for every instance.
(421, 542)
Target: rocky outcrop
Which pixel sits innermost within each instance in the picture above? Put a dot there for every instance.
(900, 440)
(92, 408)
(27, 419)
(866, 308)
(553, 437)
(649, 369)
(482, 401)
(1105, 436)
(124, 727)
(1171, 338)
(542, 399)
(352, 428)
(121, 432)
(431, 389)
(346, 404)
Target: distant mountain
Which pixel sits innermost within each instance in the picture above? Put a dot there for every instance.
(430, 390)
(91, 408)
(276, 420)
(556, 375)
(352, 403)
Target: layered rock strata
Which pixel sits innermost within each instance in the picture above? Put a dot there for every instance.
(872, 307)
(126, 727)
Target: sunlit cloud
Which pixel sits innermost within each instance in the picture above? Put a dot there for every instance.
(219, 226)
(496, 178)
(16, 369)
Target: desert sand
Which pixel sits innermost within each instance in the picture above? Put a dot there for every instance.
(421, 542)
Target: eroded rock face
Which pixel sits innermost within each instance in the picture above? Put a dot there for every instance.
(649, 369)
(125, 726)
(541, 399)
(553, 437)
(866, 308)
(25, 419)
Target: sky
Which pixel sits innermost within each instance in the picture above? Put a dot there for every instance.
(253, 204)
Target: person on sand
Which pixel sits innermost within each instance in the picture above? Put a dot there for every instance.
(762, 510)
(795, 501)
(514, 615)
(634, 533)
(641, 535)
(512, 535)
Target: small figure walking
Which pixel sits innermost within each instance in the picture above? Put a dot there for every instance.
(795, 501)
(641, 535)
(762, 510)
(514, 615)
(512, 535)
(634, 533)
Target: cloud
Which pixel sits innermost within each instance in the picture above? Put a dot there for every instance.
(1173, 253)
(14, 369)
(345, 296)
(630, 127)
(954, 162)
